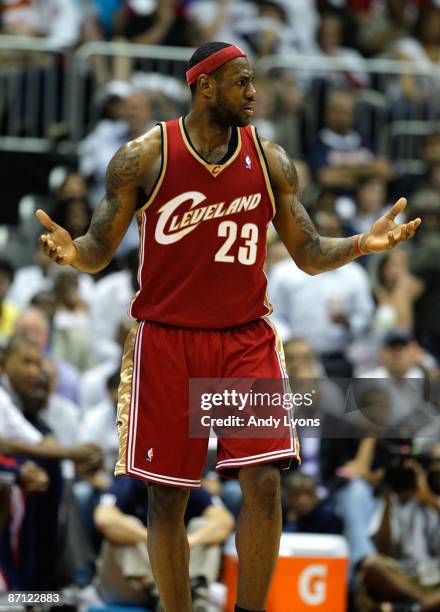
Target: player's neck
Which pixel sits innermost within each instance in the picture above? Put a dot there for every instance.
(205, 135)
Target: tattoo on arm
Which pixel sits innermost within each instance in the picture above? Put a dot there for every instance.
(321, 253)
(93, 248)
(289, 170)
(123, 169)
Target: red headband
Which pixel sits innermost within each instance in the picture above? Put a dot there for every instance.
(213, 62)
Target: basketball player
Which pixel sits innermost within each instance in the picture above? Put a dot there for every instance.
(204, 188)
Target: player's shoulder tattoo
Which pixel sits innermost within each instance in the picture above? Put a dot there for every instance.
(280, 164)
(132, 159)
(124, 167)
(288, 168)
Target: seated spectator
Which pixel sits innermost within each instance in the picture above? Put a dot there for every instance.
(74, 214)
(71, 186)
(8, 311)
(425, 262)
(405, 533)
(328, 310)
(396, 292)
(57, 20)
(220, 20)
(382, 28)
(98, 425)
(20, 437)
(423, 50)
(430, 154)
(269, 32)
(30, 380)
(288, 118)
(163, 22)
(124, 574)
(56, 412)
(69, 305)
(19, 18)
(303, 19)
(109, 309)
(371, 201)
(303, 511)
(264, 112)
(29, 280)
(26, 433)
(399, 359)
(93, 386)
(329, 40)
(34, 325)
(428, 178)
(19, 480)
(156, 23)
(66, 343)
(111, 100)
(306, 374)
(101, 18)
(100, 145)
(340, 158)
(23, 472)
(69, 333)
(351, 470)
(404, 380)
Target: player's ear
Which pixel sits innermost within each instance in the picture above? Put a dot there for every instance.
(205, 84)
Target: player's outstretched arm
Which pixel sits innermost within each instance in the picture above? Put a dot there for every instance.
(310, 251)
(129, 173)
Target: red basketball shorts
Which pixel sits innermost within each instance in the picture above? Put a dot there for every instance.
(153, 404)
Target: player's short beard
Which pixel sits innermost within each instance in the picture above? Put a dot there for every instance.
(223, 116)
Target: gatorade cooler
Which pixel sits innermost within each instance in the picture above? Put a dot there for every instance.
(311, 574)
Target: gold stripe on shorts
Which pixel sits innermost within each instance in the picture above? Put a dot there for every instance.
(124, 399)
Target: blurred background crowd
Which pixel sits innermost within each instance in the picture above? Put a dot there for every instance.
(350, 89)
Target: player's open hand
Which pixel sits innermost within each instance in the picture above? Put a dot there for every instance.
(57, 242)
(385, 234)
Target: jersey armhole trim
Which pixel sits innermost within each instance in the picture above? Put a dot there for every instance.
(265, 168)
(163, 168)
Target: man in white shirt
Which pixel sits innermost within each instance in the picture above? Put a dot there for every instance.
(330, 311)
(404, 382)
(23, 363)
(109, 309)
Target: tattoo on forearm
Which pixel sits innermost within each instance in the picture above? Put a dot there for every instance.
(122, 171)
(103, 217)
(323, 253)
(318, 253)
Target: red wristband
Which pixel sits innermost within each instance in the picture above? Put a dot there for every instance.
(357, 240)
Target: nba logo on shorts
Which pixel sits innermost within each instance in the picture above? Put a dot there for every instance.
(248, 162)
(149, 455)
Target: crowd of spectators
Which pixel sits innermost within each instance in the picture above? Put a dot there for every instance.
(65, 522)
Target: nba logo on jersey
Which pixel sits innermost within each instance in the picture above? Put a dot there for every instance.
(248, 163)
(150, 453)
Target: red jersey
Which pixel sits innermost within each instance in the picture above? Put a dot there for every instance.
(203, 235)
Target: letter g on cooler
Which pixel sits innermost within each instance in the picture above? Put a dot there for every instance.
(312, 587)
